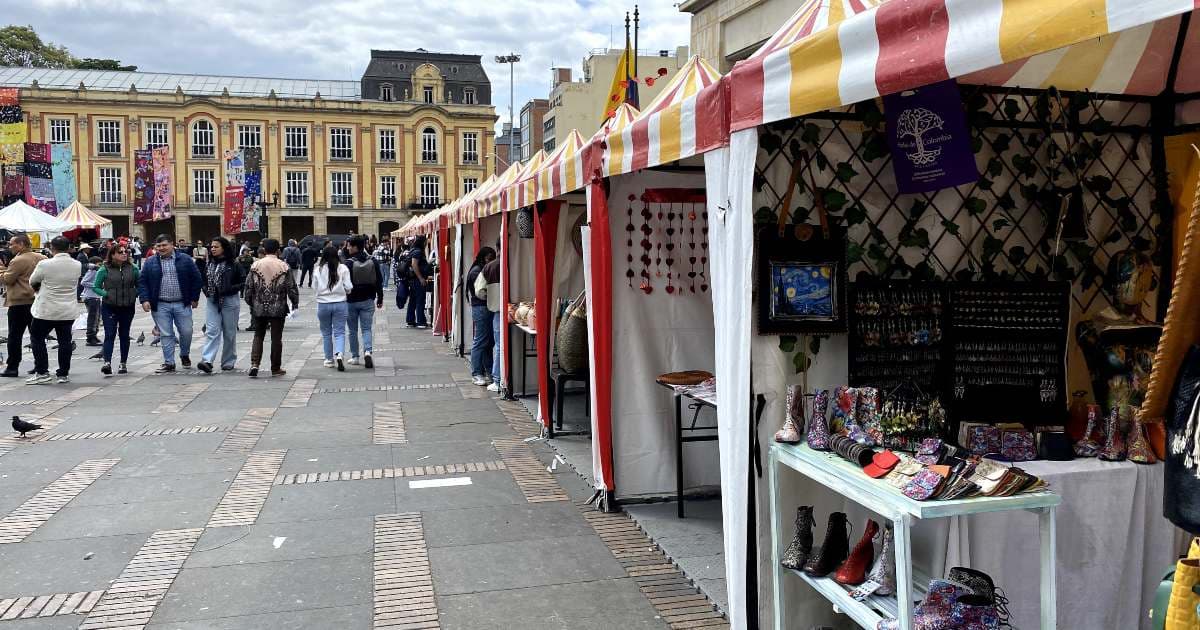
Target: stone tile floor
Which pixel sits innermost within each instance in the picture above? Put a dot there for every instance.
(489, 554)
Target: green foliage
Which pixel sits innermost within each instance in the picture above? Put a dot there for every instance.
(845, 172)
(834, 200)
(21, 46)
(975, 206)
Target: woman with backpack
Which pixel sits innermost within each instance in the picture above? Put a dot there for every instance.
(364, 299)
(223, 282)
(117, 285)
(481, 318)
(333, 283)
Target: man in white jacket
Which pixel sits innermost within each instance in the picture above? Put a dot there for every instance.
(54, 309)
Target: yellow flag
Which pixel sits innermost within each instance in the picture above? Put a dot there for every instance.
(617, 93)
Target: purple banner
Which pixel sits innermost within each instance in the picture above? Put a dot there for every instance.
(39, 193)
(143, 187)
(931, 145)
(163, 183)
(37, 152)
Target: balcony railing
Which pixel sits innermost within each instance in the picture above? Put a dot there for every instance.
(297, 201)
(429, 157)
(387, 156)
(470, 157)
(341, 201)
(425, 203)
(111, 198)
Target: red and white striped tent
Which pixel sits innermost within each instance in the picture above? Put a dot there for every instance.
(520, 191)
(562, 172)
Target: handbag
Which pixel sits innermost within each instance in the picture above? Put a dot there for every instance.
(525, 222)
(1017, 445)
(1055, 446)
(571, 340)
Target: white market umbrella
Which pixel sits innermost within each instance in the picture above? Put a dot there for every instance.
(83, 218)
(22, 217)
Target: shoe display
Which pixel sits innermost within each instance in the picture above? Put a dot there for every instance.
(789, 433)
(367, 361)
(981, 584)
(818, 427)
(106, 369)
(121, 369)
(1114, 439)
(1089, 446)
(797, 553)
(165, 368)
(204, 366)
(1139, 451)
(833, 550)
(884, 571)
(854, 570)
(185, 361)
(39, 379)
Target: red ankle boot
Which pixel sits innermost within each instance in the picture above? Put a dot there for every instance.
(854, 570)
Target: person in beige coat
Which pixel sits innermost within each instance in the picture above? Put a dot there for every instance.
(54, 309)
(18, 297)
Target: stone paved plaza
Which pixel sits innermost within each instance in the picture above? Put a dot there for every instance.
(399, 497)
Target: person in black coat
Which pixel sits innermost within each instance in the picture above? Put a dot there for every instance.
(308, 261)
(224, 279)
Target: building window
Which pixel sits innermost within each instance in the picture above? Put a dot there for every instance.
(204, 187)
(428, 92)
(249, 136)
(387, 191)
(469, 96)
(295, 143)
(157, 134)
(60, 130)
(341, 188)
(470, 148)
(108, 137)
(548, 146)
(385, 92)
(111, 188)
(387, 145)
(296, 188)
(469, 184)
(548, 127)
(204, 139)
(429, 146)
(431, 191)
(341, 143)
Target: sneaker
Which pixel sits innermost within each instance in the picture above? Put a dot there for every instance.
(228, 368)
(186, 361)
(278, 372)
(367, 362)
(328, 363)
(39, 379)
(121, 369)
(63, 379)
(341, 365)
(253, 371)
(166, 368)
(106, 369)
(493, 387)
(489, 380)
(204, 366)
(353, 360)
(94, 342)
(10, 373)
(479, 380)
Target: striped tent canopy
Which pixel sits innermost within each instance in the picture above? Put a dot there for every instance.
(81, 217)
(683, 120)
(837, 52)
(522, 190)
(408, 228)
(563, 170)
(487, 202)
(617, 124)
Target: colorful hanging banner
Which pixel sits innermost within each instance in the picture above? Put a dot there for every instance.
(253, 159)
(143, 186)
(38, 169)
(62, 167)
(163, 183)
(10, 96)
(37, 152)
(253, 193)
(927, 131)
(11, 114)
(13, 133)
(14, 183)
(232, 223)
(39, 193)
(235, 169)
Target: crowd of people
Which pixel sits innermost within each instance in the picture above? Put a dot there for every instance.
(43, 292)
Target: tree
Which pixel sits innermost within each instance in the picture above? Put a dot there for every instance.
(90, 63)
(917, 122)
(21, 46)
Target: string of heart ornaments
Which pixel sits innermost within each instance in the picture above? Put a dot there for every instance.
(664, 229)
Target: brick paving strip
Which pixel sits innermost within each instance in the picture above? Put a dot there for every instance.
(469, 390)
(404, 596)
(246, 495)
(535, 482)
(48, 605)
(98, 435)
(12, 403)
(38, 412)
(302, 389)
(387, 424)
(12, 441)
(181, 398)
(518, 417)
(387, 473)
(245, 435)
(132, 598)
(383, 388)
(671, 593)
(38, 509)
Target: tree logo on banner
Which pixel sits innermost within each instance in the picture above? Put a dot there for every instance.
(915, 123)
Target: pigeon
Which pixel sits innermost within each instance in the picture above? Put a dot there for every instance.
(141, 338)
(22, 426)
(98, 355)
(157, 340)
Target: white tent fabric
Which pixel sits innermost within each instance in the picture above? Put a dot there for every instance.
(522, 258)
(22, 217)
(457, 245)
(597, 468)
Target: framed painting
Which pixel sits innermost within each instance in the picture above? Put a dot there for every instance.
(801, 278)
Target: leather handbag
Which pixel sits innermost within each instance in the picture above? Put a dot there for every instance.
(525, 222)
(1055, 446)
(571, 340)
(1181, 495)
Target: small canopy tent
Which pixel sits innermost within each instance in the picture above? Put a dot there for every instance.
(22, 217)
(82, 218)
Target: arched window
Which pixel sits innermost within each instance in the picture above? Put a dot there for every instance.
(429, 145)
(204, 139)
(469, 96)
(385, 92)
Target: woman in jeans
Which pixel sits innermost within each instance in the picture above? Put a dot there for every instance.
(117, 285)
(332, 280)
(223, 282)
(481, 317)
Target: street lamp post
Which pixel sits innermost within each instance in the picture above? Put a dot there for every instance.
(511, 59)
(262, 206)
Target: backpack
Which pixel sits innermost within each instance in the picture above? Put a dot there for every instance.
(404, 265)
(291, 256)
(362, 272)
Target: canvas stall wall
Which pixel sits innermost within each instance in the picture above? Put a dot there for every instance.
(650, 334)
(460, 324)
(522, 258)
(561, 224)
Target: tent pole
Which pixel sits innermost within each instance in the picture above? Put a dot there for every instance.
(1162, 124)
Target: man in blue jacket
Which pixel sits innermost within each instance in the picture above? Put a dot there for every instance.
(169, 286)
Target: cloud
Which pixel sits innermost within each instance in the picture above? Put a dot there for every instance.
(333, 39)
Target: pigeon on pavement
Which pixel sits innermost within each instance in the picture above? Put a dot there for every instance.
(98, 355)
(141, 338)
(22, 426)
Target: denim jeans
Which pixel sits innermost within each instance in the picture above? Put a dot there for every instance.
(481, 343)
(497, 336)
(386, 270)
(169, 316)
(360, 315)
(416, 304)
(221, 321)
(332, 317)
(117, 320)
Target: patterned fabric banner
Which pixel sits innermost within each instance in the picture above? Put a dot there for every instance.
(13, 133)
(143, 186)
(37, 169)
(14, 182)
(39, 193)
(234, 199)
(253, 193)
(253, 159)
(10, 96)
(163, 183)
(11, 114)
(62, 166)
(37, 152)
(12, 154)
(235, 169)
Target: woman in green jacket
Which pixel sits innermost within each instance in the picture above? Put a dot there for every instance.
(117, 285)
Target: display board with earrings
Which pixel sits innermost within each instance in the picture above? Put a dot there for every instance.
(667, 239)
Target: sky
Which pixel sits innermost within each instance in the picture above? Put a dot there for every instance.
(332, 39)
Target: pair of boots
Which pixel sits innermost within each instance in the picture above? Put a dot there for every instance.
(966, 600)
(818, 428)
(1110, 440)
(834, 555)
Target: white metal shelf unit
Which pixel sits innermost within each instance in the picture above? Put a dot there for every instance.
(851, 482)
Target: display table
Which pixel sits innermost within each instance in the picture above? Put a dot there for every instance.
(848, 480)
(695, 433)
(528, 351)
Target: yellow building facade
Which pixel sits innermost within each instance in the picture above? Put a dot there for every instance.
(339, 162)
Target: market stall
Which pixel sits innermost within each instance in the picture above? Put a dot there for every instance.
(83, 218)
(41, 227)
(992, 245)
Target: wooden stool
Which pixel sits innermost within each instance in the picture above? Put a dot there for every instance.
(560, 378)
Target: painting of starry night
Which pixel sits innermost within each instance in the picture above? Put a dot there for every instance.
(802, 291)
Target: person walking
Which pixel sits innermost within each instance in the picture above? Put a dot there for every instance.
(223, 283)
(308, 261)
(18, 297)
(91, 300)
(135, 251)
(294, 259)
(383, 255)
(481, 318)
(333, 286)
(56, 280)
(495, 304)
(200, 253)
(169, 287)
(117, 285)
(245, 260)
(366, 296)
(269, 288)
(83, 255)
(421, 272)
